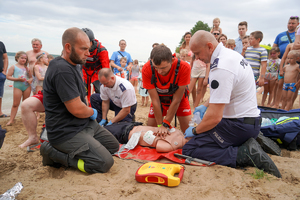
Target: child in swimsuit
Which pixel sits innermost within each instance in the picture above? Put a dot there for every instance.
(39, 70)
(143, 92)
(134, 73)
(291, 72)
(216, 25)
(19, 73)
(273, 64)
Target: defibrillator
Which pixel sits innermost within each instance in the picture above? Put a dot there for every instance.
(160, 173)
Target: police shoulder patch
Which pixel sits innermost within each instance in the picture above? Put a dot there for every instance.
(122, 87)
(215, 63)
(214, 84)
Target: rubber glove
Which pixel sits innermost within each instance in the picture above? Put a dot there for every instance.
(189, 132)
(103, 121)
(94, 116)
(201, 109)
(109, 123)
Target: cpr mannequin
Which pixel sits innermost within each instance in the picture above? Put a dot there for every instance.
(123, 131)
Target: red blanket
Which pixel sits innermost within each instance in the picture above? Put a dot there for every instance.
(146, 153)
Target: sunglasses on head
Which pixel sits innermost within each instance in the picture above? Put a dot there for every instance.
(294, 17)
(216, 33)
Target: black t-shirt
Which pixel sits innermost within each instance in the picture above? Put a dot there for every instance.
(2, 51)
(62, 83)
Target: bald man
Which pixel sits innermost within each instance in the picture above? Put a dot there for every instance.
(75, 138)
(232, 120)
(116, 94)
(36, 49)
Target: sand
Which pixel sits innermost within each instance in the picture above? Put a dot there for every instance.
(215, 182)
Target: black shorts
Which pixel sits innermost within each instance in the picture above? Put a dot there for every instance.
(121, 130)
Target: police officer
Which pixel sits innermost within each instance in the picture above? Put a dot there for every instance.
(97, 60)
(116, 94)
(232, 120)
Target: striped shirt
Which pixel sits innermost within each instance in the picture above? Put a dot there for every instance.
(255, 56)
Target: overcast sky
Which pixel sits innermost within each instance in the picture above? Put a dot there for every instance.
(139, 22)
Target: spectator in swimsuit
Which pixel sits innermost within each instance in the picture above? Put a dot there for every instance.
(186, 45)
(123, 131)
(19, 73)
(36, 49)
(291, 72)
(216, 25)
(28, 108)
(273, 64)
(134, 73)
(39, 70)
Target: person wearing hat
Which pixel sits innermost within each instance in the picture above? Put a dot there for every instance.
(97, 60)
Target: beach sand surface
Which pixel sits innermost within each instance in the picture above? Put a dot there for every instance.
(215, 182)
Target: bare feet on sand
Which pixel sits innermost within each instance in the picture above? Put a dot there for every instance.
(30, 142)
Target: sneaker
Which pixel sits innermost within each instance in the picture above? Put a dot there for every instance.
(251, 154)
(268, 145)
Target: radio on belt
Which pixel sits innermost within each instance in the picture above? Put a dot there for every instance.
(160, 173)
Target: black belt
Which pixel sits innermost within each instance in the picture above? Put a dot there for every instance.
(246, 120)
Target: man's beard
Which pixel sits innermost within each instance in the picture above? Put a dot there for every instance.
(75, 58)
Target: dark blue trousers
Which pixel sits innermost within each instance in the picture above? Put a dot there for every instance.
(96, 103)
(220, 144)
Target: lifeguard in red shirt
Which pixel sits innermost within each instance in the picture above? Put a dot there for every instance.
(166, 79)
(97, 60)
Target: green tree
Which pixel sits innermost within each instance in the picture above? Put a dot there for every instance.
(200, 25)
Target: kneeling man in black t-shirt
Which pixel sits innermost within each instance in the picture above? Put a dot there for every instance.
(75, 138)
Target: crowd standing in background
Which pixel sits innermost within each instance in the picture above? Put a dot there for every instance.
(166, 79)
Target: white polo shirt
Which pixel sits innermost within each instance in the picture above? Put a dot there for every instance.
(232, 83)
(122, 94)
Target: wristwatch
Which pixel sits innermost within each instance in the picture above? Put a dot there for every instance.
(165, 125)
(194, 131)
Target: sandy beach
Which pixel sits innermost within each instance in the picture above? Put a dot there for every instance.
(215, 182)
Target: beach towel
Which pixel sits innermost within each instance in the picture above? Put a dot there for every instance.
(150, 154)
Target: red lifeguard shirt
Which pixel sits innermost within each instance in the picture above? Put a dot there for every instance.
(183, 77)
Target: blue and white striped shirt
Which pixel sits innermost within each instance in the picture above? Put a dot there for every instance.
(255, 56)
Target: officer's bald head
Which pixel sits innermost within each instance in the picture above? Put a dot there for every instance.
(203, 44)
(106, 72)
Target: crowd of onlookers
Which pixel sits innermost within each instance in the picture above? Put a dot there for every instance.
(274, 68)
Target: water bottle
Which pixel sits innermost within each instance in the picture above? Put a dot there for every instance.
(122, 74)
(191, 123)
(196, 118)
(266, 122)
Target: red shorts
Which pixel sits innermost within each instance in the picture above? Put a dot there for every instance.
(184, 109)
(134, 78)
(39, 96)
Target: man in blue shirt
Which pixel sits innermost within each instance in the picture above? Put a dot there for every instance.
(117, 55)
(282, 39)
(242, 28)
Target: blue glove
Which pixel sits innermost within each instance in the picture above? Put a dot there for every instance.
(201, 109)
(103, 121)
(189, 132)
(109, 123)
(94, 116)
